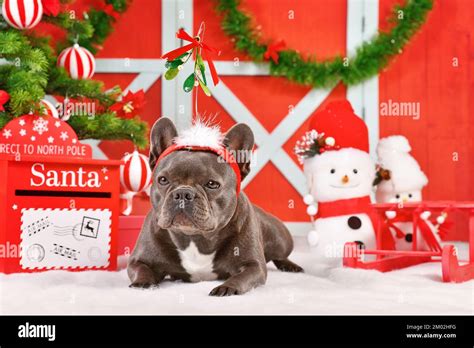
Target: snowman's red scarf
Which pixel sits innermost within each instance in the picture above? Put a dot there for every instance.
(353, 206)
(221, 151)
(424, 228)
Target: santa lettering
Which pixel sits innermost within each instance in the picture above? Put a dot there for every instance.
(63, 178)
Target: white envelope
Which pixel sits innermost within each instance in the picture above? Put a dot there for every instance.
(65, 238)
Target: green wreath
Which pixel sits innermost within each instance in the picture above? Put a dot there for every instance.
(370, 57)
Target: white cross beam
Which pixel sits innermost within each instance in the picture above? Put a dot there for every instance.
(270, 145)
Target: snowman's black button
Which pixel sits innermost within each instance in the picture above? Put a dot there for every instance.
(354, 222)
(409, 237)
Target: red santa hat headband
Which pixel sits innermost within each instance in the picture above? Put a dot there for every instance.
(201, 137)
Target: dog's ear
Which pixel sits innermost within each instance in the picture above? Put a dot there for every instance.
(161, 137)
(239, 140)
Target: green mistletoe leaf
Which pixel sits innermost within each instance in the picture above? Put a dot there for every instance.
(171, 73)
(205, 89)
(202, 68)
(189, 83)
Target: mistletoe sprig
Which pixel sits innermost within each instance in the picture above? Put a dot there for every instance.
(370, 58)
(200, 52)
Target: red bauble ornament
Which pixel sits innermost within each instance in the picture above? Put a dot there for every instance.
(22, 14)
(78, 62)
(135, 174)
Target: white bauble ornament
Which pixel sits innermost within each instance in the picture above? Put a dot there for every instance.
(22, 14)
(78, 62)
(308, 199)
(313, 238)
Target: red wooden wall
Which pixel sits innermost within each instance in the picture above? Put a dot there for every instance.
(425, 73)
(422, 73)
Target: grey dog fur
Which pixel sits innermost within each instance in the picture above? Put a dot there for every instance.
(243, 236)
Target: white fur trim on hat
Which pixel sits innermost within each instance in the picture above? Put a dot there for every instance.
(201, 134)
(405, 172)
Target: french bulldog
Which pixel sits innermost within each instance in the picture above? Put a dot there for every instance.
(200, 227)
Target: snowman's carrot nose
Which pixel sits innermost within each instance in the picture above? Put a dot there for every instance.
(345, 179)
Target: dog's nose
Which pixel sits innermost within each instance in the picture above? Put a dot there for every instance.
(184, 195)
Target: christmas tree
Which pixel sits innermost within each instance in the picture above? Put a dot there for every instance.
(30, 70)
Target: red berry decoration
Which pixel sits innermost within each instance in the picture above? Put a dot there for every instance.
(4, 98)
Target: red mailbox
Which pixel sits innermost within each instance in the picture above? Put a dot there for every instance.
(59, 208)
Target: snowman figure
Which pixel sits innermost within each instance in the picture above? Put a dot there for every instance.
(339, 174)
(401, 180)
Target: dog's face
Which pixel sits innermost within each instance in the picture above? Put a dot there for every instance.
(194, 192)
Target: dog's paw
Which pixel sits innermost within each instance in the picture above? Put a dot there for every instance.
(287, 266)
(142, 285)
(224, 290)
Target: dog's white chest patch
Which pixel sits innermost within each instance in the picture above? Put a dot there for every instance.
(199, 266)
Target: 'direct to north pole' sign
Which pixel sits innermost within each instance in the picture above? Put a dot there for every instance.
(41, 136)
(59, 207)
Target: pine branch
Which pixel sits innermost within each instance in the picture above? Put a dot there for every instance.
(32, 71)
(108, 126)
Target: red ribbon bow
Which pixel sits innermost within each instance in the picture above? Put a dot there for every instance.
(194, 43)
(51, 7)
(273, 49)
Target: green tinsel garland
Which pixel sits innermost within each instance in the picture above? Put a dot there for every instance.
(32, 72)
(370, 57)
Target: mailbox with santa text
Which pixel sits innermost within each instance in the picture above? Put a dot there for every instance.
(59, 207)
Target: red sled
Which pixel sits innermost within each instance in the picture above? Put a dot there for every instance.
(388, 260)
(59, 208)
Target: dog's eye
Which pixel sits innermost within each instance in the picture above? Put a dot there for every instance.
(163, 181)
(213, 185)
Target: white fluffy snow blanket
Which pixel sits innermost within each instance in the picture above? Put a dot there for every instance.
(415, 290)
